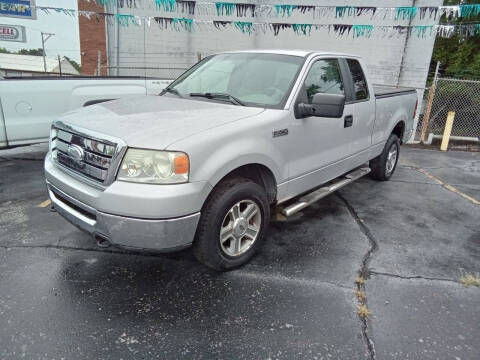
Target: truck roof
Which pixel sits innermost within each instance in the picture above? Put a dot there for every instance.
(302, 53)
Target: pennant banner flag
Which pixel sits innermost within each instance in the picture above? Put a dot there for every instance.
(247, 27)
(362, 30)
(469, 10)
(282, 10)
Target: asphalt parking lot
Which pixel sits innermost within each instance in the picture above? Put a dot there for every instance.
(411, 238)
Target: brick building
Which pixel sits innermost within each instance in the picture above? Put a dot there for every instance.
(93, 40)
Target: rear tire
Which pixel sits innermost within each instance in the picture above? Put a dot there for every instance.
(384, 165)
(233, 224)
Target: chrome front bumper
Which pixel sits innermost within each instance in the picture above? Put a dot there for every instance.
(127, 232)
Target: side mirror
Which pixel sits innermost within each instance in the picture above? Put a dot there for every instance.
(323, 105)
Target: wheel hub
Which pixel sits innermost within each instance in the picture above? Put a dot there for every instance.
(240, 227)
(391, 159)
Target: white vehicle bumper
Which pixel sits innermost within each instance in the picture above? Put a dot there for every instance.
(130, 215)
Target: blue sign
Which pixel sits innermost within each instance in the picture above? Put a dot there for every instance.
(24, 9)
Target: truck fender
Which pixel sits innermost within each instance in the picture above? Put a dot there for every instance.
(400, 115)
(227, 158)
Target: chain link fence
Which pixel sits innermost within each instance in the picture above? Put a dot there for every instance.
(163, 65)
(422, 108)
(169, 73)
(458, 95)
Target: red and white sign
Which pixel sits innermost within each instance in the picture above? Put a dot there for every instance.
(12, 33)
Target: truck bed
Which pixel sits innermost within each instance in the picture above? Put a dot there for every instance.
(387, 91)
(79, 77)
(29, 105)
(393, 101)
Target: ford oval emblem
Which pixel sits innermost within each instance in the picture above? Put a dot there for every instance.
(77, 154)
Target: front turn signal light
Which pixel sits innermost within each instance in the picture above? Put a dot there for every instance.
(181, 164)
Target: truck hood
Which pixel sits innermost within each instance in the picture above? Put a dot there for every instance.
(154, 122)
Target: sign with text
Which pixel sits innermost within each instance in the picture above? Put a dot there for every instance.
(12, 33)
(24, 9)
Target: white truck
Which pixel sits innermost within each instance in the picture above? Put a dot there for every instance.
(205, 162)
(29, 105)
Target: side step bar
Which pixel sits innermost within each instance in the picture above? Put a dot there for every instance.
(314, 196)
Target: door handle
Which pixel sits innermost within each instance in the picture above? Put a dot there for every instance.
(348, 121)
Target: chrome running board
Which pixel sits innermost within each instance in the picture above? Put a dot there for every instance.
(314, 196)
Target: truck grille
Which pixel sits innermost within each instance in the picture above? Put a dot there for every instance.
(90, 157)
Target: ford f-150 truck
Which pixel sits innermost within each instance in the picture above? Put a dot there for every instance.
(29, 105)
(239, 134)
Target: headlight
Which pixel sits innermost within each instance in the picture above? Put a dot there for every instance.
(154, 167)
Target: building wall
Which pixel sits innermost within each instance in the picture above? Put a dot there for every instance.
(393, 59)
(92, 39)
(67, 68)
(30, 65)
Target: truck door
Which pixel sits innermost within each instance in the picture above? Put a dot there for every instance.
(363, 103)
(320, 146)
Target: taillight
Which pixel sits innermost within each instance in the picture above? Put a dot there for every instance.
(415, 111)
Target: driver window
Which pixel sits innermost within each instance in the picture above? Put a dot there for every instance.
(324, 77)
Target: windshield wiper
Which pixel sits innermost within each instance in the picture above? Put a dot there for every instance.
(220, 96)
(172, 91)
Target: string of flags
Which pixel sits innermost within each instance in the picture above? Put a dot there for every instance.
(221, 8)
(249, 27)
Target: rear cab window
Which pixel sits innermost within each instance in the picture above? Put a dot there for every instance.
(360, 86)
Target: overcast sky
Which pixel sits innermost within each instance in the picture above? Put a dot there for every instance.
(66, 40)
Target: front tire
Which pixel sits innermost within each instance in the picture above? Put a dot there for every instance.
(233, 224)
(384, 165)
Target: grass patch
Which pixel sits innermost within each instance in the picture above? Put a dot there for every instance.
(361, 295)
(470, 280)
(359, 280)
(363, 311)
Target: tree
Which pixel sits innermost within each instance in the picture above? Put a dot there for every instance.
(35, 52)
(459, 56)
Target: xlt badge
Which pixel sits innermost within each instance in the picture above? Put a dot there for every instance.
(277, 133)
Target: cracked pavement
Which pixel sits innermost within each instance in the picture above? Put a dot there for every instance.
(61, 296)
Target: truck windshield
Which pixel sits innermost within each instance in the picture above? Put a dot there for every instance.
(251, 79)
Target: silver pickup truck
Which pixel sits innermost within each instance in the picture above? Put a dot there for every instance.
(239, 134)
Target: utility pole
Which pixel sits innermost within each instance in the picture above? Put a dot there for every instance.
(59, 65)
(431, 96)
(45, 37)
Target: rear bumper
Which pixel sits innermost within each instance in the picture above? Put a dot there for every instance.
(127, 232)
